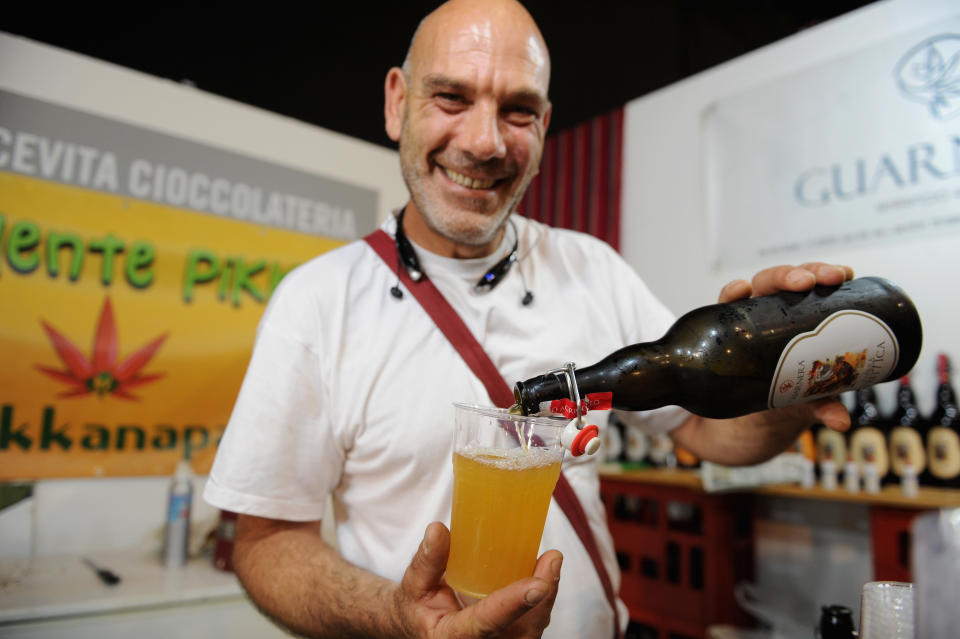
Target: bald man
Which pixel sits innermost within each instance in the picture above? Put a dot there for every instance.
(349, 389)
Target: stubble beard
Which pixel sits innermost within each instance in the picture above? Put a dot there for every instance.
(470, 228)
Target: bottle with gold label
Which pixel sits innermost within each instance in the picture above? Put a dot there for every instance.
(943, 438)
(907, 450)
(732, 359)
(660, 452)
(613, 440)
(868, 441)
(831, 450)
(636, 446)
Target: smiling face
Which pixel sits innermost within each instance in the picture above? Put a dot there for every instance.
(470, 115)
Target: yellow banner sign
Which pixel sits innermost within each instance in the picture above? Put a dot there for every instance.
(134, 268)
(126, 328)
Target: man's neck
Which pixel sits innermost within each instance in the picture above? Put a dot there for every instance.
(419, 232)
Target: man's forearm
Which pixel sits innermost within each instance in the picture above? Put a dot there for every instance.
(304, 585)
(746, 440)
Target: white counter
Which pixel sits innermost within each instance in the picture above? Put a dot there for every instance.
(62, 596)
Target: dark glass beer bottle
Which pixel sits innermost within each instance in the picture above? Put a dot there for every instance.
(943, 438)
(727, 360)
(908, 454)
(868, 440)
(836, 622)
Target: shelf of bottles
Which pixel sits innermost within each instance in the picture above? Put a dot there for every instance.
(891, 495)
(901, 459)
(899, 463)
(905, 448)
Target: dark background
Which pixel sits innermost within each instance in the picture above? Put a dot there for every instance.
(326, 65)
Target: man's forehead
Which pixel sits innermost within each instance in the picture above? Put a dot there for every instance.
(483, 45)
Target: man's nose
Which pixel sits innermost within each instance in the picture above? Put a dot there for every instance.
(482, 137)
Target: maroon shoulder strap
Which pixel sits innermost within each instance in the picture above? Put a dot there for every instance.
(453, 327)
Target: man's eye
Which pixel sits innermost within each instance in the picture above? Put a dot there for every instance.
(521, 114)
(450, 97)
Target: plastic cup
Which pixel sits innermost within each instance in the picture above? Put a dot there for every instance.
(886, 610)
(936, 573)
(505, 468)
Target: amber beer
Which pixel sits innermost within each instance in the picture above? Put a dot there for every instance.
(504, 470)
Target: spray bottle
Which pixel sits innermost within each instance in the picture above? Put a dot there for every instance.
(176, 535)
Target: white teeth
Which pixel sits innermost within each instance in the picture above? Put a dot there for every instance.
(470, 183)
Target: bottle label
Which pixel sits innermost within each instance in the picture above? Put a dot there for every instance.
(831, 445)
(638, 445)
(593, 401)
(906, 448)
(869, 446)
(612, 441)
(661, 447)
(178, 507)
(943, 450)
(850, 349)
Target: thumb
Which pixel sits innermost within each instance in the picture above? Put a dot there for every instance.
(832, 414)
(425, 571)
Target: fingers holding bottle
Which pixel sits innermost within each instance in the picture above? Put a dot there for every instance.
(786, 277)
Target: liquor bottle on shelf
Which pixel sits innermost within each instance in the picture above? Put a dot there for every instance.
(868, 441)
(943, 438)
(851, 475)
(908, 455)
(727, 360)
(685, 459)
(613, 440)
(636, 446)
(831, 454)
(805, 445)
(661, 450)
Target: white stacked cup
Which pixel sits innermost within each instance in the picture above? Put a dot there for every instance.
(886, 610)
(936, 573)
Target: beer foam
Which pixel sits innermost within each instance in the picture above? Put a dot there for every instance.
(513, 458)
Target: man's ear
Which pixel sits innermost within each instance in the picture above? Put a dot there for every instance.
(394, 97)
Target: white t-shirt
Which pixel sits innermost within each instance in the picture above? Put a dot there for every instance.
(349, 393)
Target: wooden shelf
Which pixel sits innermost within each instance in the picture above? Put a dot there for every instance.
(927, 497)
(665, 476)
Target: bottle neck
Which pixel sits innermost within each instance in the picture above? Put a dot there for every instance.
(945, 394)
(865, 413)
(636, 376)
(906, 399)
(906, 412)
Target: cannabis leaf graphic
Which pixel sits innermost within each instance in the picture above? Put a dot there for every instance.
(101, 375)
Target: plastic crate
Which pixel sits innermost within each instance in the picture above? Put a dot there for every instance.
(681, 551)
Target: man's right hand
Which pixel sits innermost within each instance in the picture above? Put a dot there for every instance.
(429, 608)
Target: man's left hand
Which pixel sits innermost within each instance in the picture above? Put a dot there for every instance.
(830, 412)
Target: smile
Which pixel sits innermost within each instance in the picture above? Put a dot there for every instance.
(468, 182)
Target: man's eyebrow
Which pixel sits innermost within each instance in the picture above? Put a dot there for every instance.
(444, 83)
(436, 82)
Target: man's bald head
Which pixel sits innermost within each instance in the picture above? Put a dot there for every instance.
(469, 111)
(484, 18)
